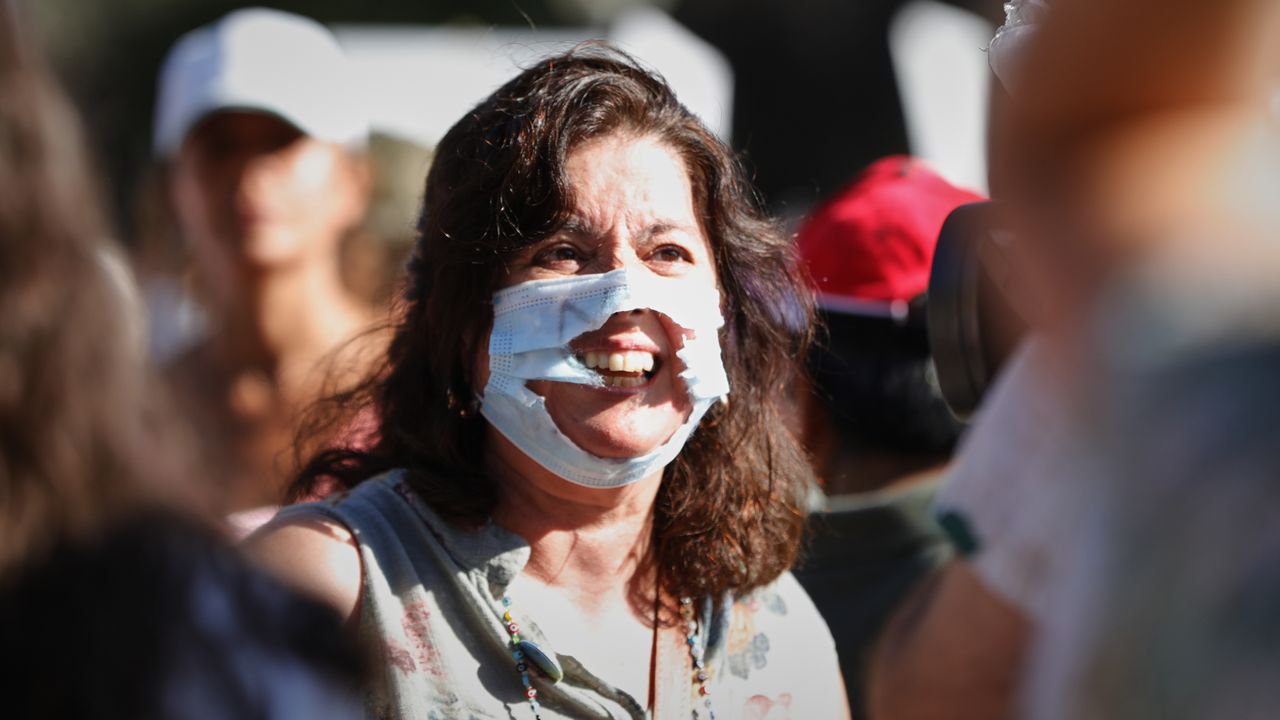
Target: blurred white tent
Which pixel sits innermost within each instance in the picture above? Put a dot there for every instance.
(940, 60)
(419, 80)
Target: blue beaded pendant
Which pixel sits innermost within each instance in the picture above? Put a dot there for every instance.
(547, 664)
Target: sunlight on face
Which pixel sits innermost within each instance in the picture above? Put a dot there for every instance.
(634, 209)
(253, 193)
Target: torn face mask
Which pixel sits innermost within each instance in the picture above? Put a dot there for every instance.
(533, 325)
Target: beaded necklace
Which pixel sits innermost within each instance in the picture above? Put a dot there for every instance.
(524, 652)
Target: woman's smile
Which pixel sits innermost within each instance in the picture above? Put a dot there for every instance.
(623, 367)
(640, 400)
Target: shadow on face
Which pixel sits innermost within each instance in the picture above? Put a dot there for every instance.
(253, 193)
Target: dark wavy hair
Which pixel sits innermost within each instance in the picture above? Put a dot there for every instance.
(728, 517)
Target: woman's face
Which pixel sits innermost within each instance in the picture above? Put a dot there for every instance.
(253, 194)
(634, 209)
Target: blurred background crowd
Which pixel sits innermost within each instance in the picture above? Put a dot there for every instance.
(1039, 409)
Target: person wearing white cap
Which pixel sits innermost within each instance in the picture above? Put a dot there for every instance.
(259, 129)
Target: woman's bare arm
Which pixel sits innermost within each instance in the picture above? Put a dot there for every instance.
(314, 555)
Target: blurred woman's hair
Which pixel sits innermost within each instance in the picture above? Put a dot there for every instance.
(116, 600)
(79, 435)
(728, 515)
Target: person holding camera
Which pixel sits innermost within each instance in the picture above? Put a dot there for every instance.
(1109, 163)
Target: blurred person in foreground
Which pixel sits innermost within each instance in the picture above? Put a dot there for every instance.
(875, 421)
(258, 124)
(560, 518)
(1126, 151)
(117, 599)
(1168, 607)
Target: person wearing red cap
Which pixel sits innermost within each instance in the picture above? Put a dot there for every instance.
(869, 248)
(876, 417)
(874, 420)
(1121, 152)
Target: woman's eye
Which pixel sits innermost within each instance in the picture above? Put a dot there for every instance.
(672, 254)
(559, 256)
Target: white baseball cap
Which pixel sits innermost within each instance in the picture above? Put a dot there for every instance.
(263, 61)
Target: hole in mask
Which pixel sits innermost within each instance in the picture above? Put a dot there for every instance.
(628, 364)
(622, 368)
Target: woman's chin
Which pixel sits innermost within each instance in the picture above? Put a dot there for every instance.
(617, 448)
(621, 441)
(609, 428)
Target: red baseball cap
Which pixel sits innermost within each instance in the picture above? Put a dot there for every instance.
(869, 247)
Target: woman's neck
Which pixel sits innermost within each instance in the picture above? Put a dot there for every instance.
(282, 321)
(591, 544)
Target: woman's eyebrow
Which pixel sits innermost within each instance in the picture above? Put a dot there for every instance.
(578, 227)
(582, 228)
(665, 226)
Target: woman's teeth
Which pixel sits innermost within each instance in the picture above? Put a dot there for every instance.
(631, 361)
(636, 363)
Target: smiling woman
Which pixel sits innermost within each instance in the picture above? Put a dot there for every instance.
(561, 509)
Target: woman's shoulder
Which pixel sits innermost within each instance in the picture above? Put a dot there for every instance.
(321, 546)
(313, 546)
(313, 553)
(382, 500)
(779, 655)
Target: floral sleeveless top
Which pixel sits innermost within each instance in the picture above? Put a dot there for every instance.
(432, 606)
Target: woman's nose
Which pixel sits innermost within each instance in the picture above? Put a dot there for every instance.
(618, 254)
(258, 174)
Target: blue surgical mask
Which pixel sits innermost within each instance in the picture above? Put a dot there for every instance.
(533, 325)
